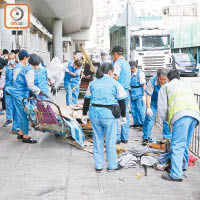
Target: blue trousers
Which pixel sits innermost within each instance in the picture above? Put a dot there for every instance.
(181, 137)
(107, 128)
(16, 118)
(138, 110)
(148, 126)
(24, 122)
(71, 96)
(9, 107)
(125, 127)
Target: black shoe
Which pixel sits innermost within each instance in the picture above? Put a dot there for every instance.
(19, 137)
(29, 140)
(145, 142)
(7, 123)
(134, 126)
(184, 170)
(125, 141)
(118, 142)
(167, 177)
(98, 170)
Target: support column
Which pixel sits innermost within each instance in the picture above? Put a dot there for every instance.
(57, 39)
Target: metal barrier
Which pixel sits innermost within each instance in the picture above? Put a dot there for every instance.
(195, 143)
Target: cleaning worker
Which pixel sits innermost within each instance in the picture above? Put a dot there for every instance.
(152, 89)
(21, 88)
(6, 81)
(137, 95)
(122, 74)
(23, 61)
(72, 81)
(177, 105)
(41, 79)
(104, 99)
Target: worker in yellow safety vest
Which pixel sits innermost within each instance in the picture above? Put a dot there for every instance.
(177, 105)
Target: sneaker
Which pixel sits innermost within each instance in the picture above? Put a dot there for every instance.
(167, 177)
(145, 142)
(134, 126)
(7, 123)
(98, 170)
(113, 170)
(15, 132)
(118, 142)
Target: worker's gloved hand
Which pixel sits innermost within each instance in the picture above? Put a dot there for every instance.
(1, 94)
(84, 119)
(43, 94)
(67, 70)
(123, 120)
(53, 90)
(144, 100)
(149, 112)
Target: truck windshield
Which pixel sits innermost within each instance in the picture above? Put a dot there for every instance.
(155, 42)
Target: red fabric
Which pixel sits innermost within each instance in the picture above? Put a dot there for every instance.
(192, 159)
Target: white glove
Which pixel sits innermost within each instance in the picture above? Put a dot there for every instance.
(67, 70)
(1, 94)
(123, 120)
(144, 100)
(149, 112)
(84, 119)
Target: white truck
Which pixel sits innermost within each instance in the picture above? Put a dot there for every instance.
(150, 47)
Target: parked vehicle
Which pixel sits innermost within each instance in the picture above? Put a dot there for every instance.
(185, 63)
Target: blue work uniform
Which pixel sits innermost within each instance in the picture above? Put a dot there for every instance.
(72, 84)
(18, 91)
(122, 70)
(138, 107)
(41, 80)
(152, 90)
(104, 91)
(8, 99)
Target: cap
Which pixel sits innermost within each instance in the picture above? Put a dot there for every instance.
(132, 63)
(23, 54)
(117, 49)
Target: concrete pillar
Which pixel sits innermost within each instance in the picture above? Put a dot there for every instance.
(57, 39)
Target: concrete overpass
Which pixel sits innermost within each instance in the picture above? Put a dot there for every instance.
(63, 18)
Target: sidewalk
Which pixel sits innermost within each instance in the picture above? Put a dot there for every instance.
(54, 170)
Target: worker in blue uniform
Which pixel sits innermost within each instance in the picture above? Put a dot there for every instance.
(41, 79)
(6, 81)
(137, 95)
(104, 99)
(152, 89)
(122, 74)
(72, 81)
(21, 88)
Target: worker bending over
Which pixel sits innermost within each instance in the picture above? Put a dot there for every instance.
(177, 105)
(152, 89)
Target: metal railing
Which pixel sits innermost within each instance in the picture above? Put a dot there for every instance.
(195, 143)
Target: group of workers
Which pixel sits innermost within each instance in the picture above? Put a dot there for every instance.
(107, 100)
(22, 76)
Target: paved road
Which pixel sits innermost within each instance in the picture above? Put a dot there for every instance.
(54, 170)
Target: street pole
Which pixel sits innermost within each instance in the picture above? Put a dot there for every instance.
(128, 32)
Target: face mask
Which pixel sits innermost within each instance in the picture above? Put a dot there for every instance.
(11, 62)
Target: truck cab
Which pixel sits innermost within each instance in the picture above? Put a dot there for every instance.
(151, 49)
